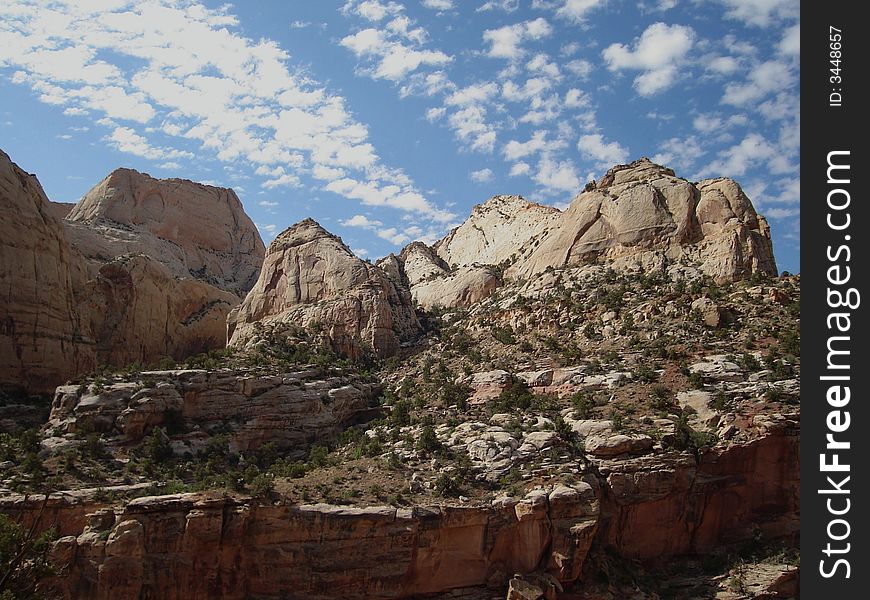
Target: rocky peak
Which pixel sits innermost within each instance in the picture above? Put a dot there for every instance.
(310, 277)
(642, 169)
(209, 235)
(420, 262)
(307, 231)
(642, 215)
(495, 231)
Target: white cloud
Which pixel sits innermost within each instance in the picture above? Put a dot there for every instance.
(267, 203)
(286, 180)
(579, 67)
(188, 68)
(505, 5)
(519, 169)
(557, 176)
(372, 10)
(658, 52)
(361, 221)
(679, 154)
(394, 60)
(481, 176)
(506, 42)
(393, 235)
(514, 150)
(753, 150)
(761, 13)
(435, 114)
(127, 140)
(438, 4)
(576, 11)
(765, 78)
(782, 213)
(723, 65)
(605, 154)
(300, 24)
(791, 41)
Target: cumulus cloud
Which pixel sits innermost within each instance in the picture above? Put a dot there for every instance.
(574, 11)
(765, 78)
(481, 176)
(605, 154)
(127, 140)
(658, 53)
(393, 59)
(361, 221)
(505, 5)
(438, 4)
(185, 67)
(761, 13)
(557, 176)
(507, 42)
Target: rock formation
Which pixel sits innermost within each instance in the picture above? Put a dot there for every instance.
(195, 230)
(292, 410)
(641, 214)
(495, 231)
(311, 278)
(208, 545)
(139, 270)
(43, 340)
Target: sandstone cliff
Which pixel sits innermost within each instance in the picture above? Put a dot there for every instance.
(641, 214)
(311, 278)
(195, 230)
(139, 270)
(292, 410)
(43, 340)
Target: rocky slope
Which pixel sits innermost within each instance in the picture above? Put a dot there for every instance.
(139, 270)
(310, 278)
(611, 410)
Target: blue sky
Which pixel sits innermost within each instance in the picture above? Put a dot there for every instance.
(387, 121)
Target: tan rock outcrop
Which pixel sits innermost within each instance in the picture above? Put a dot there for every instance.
(495, 231)
(292, 410)
(310, 277)
(462, 288)
(138, 312)
(139, 270)
(42, 339)
(196, 230)
(643, 209)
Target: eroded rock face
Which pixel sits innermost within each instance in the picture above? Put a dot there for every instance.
(138, 312)
(291, 410)
(311, 277)
(495, 231)
(194, 546)
(42, 339)
(667, 507)
(643, 210)
(139, 270)
(645, 508)
(195, 230)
